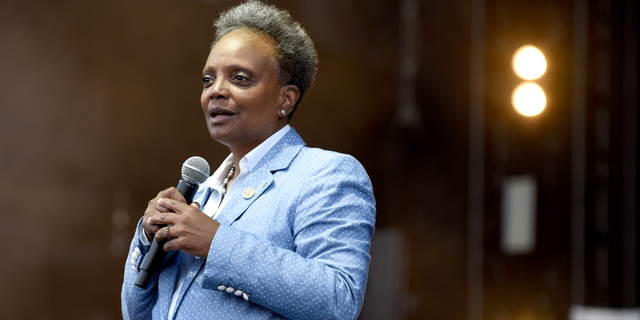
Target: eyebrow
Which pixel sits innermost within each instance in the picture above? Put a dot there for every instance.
(234, 67)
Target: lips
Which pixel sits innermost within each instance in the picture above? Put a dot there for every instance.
(218, 115)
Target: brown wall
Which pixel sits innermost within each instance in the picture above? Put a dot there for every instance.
(99, 108)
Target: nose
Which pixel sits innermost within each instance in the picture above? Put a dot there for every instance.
(218, 89)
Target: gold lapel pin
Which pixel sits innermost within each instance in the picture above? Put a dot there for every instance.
(248, 193)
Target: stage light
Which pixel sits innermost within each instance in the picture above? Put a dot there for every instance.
(529, 63)
(528, 99)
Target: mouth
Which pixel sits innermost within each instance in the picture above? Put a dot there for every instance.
(217, 113)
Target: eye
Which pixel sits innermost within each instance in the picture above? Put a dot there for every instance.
(241, 78)
(207, 80)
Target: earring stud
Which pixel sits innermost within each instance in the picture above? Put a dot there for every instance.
(283, 112)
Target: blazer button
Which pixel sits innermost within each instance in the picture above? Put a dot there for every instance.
(238, 293)
(222, 287)
(245, 296)
(135, 254)
(230, 289)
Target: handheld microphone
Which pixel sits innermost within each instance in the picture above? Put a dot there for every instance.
(194, 172)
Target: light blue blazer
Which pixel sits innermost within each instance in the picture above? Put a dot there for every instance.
(297, 248)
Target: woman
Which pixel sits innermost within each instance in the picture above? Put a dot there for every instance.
(291, 225)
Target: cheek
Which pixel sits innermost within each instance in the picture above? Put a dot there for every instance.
(204, 101)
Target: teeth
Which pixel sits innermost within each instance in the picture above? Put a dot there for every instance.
(215, 114)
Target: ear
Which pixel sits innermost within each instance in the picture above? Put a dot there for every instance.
(290, 95)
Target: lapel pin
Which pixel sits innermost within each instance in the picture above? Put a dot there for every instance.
(248, 193)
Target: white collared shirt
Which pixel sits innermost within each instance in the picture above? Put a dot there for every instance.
(247, 163)
(213, 206)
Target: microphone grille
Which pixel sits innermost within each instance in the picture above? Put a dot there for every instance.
(195, 169)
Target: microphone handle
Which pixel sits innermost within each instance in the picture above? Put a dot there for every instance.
(154, 258)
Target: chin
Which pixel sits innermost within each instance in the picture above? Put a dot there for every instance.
(220, 137)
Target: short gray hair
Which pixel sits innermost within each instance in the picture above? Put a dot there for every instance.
(296, 57)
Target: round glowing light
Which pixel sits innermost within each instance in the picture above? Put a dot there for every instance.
(529, 63)
(528, 99)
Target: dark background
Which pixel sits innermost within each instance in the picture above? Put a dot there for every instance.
(99, 107)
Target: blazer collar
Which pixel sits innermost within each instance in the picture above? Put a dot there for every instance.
(282, 153)
(261, 177)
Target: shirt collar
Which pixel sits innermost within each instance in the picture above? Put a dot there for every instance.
(249, 161)
(254, 156)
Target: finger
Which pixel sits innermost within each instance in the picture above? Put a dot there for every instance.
(173, 244)
(163, 219)
(155, 205)
(175, 206)
(149, 227)
(172, 193)
(154, 208)
(160, 235)
(167, 234)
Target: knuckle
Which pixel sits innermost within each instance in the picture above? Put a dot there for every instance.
(166, 191)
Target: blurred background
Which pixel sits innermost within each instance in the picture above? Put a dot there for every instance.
(483, 213)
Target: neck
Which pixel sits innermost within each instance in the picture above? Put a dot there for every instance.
(239, 151)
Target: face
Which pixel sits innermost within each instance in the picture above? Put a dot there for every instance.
(241, 97)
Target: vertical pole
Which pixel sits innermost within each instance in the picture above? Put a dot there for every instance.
(476, 160)
(578, 151)
(407, 114)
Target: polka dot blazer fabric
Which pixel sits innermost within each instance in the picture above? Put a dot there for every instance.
(296, 246)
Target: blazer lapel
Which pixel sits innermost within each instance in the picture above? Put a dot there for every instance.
(261, 177)
(194, 268)
(167, 277)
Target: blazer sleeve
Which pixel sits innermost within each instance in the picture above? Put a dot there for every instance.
(137, 303)
(325, 275)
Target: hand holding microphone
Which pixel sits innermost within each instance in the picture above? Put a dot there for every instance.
(194, 172)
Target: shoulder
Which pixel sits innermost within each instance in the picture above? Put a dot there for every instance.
(320, 158)
(322, 167)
